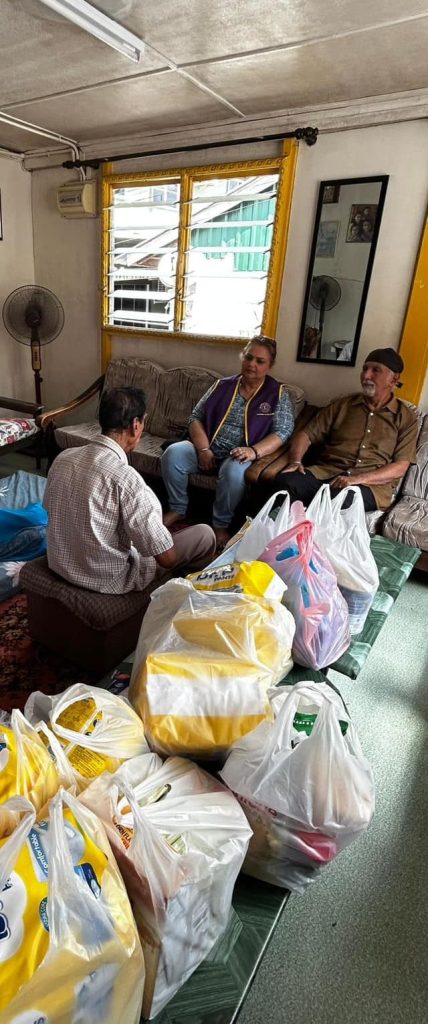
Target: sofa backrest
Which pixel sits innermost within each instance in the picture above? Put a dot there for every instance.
(415, 482)
(171, 394)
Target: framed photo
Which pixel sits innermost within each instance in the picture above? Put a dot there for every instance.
(362, 220)
(331, 193)
(1, 222)
(327, 238)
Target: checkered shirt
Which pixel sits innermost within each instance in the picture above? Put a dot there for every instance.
(105, 524)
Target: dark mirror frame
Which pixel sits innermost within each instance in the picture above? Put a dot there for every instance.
(337, 183)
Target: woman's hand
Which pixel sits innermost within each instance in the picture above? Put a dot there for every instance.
(243, 454)
(206, 460)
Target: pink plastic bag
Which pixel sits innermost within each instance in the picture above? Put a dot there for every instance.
(312, 596)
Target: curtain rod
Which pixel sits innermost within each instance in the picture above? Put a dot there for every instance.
(308, 135)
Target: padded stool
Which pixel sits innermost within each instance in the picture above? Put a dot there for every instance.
(96, 631)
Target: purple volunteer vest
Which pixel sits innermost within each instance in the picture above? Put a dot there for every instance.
(259, 412)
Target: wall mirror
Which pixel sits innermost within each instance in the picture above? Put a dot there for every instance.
(344, 241)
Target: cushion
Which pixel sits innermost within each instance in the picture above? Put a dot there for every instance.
(76, 434)
(136, 373)
(179, 390)
(99, 611)
(407, 522)
(416, 480)
(298, 398)
(16, 430)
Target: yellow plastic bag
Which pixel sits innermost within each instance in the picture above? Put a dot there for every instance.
(26, 767)
(180, 838)
(96, 729)
(205, 660)
(69, 950)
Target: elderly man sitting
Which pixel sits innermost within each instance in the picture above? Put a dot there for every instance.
(105, 529)
(366, 439)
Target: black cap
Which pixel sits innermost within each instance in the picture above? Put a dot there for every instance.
(388, 357)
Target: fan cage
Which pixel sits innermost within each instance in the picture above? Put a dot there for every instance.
(51, 314)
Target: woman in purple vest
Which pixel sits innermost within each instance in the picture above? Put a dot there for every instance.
(240, 419)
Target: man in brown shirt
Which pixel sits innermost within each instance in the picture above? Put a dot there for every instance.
(368, 439)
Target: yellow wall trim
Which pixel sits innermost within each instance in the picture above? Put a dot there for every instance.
(414, 339)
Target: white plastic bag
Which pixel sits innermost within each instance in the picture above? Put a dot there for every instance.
(312, 596)
(205, 659)
(342, 533)
(263, 529)
(305, 786)
(27, 768)
(69, 948)
(180, 839)
(97, 729)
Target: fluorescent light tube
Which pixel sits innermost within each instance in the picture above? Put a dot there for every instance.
(92, 20)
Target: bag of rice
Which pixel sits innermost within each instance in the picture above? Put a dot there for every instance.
(208, 651)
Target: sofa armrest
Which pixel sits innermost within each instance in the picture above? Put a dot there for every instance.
(269, 466)
(50, 415)
(31, 408)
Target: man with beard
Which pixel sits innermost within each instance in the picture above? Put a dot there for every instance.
(366, 440)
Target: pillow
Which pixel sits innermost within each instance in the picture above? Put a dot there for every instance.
(15, 430)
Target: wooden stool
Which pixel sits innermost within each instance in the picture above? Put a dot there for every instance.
(95, 631)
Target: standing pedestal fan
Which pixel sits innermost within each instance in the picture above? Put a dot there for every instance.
(325, 294)
(33, 316)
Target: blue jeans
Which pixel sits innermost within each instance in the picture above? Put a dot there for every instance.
(177, 464)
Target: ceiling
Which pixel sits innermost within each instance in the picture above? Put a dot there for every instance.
(211, 68)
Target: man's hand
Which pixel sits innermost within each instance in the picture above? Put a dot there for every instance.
(206, 460)
(339, 482)
(294, 467)
(243, 454)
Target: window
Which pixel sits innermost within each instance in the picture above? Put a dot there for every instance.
(195, 252)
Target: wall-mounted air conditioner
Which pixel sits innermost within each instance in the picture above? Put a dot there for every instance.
(77, 199)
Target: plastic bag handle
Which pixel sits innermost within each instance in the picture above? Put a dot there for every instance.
(320, 505)
(356, 509)
(12, 845)
(263, 514)
(279, 744)
(63, 884)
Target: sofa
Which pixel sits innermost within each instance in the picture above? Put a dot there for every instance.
(171, 395)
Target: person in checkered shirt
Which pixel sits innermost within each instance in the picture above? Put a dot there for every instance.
(105, 530)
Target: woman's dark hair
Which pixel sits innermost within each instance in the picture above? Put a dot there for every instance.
(268, 343)
(119, 407)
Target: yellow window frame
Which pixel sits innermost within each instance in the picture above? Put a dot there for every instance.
(284, 164)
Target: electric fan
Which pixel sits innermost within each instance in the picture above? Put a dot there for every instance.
(33, 316)
(325, 294)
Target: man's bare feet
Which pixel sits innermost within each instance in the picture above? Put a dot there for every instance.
(172, 517)
(222, 537)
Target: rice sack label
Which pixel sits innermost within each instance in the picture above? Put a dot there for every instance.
(83, 716)
(24, 912)
(256, 579)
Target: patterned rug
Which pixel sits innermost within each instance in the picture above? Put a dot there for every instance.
(25, 665)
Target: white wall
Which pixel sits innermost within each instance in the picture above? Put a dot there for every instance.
(400, 150)
(67, 260)
(16, 268)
